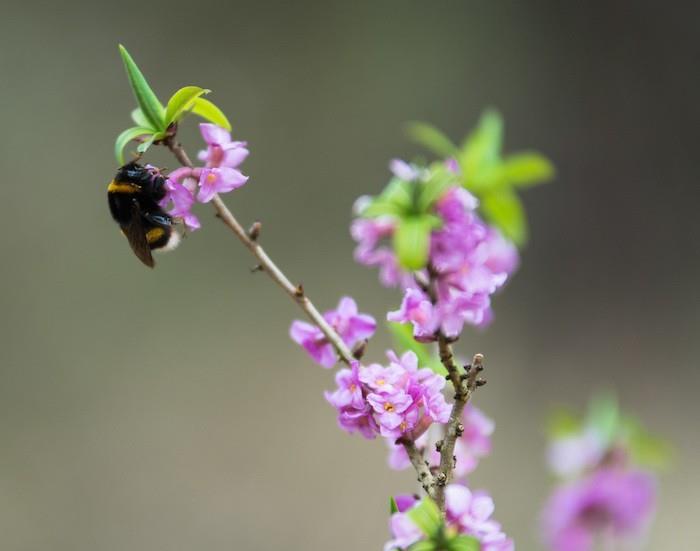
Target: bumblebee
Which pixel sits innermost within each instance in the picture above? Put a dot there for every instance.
(133, 198)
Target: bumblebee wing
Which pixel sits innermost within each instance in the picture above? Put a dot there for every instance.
(135, 233)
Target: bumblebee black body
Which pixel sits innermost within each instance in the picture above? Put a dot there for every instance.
(133, 198)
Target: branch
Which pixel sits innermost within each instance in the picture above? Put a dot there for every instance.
(295, 292)
(425, 477)
(463, 384)
(467, 385)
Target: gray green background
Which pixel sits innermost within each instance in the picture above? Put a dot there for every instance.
(168, 410)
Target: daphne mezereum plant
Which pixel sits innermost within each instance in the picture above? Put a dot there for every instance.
(446, 234)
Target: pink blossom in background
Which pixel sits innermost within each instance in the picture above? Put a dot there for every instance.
(612, 503)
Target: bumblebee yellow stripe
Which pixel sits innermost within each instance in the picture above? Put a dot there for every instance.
(122, 187)
(154, 234)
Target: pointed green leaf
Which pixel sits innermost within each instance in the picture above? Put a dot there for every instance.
(438, 182)
(527, 169)
(379, 207)
(432, 139)
(140, 119)
(464, 543)
(503, 208)
(145, 97)
(181, 101)
(426, 516)
(125, 137)
(412, 241)
(393, 508)
(424, 546)
(482, 148)
(208, 111)
(403, 338)
(145, 145)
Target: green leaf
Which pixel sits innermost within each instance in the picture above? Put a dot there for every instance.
(563, 422)
(424, 546)
(604, 416)
(464, 543)
(412, 241)
(482, 148)
(148, 102)
(140, 119)
(527, 169)
(403, 337)
(379, 207)
(181, 101)
(503, 208)
(125, 137)
(438, 182)
(208, 111)
(426, 516)
(145, 145)
(647, 450)
(393, 508)
(431, 138)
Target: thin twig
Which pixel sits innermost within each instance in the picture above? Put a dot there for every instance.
(425, 477)
(295, 292)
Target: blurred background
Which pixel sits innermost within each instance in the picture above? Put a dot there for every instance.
(168, 410)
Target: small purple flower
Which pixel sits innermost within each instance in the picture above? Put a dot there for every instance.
(404, 532)
(381, 379)
(180, 187)
(349, 391)
(403, 170)
(349, 324)
(417, 309)
(471, 512)
(218, 180)
(221, 150)
(359, 420)
(611, 502)
(389, 408)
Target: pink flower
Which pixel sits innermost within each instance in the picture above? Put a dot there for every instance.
(349, 324)
(218, 180)
(404, 532)
(389, 408)
(403, 170)
(179, 188)
(349, 391)
(381, 379)
(612, 502)
(417, 309)
(221, 150)
(471, 513)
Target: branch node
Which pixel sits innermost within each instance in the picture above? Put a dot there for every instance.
(441, 479)
(480, 382)
(459, 429)
(257, 268)
(299, 291)
(438, 446)
(359, 349)
(254, 231)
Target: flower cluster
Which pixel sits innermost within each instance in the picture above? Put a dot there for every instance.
(398, 400)
(474, 444)
(467, 513)
(220, 174)
(603, 493)
(468, 260)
